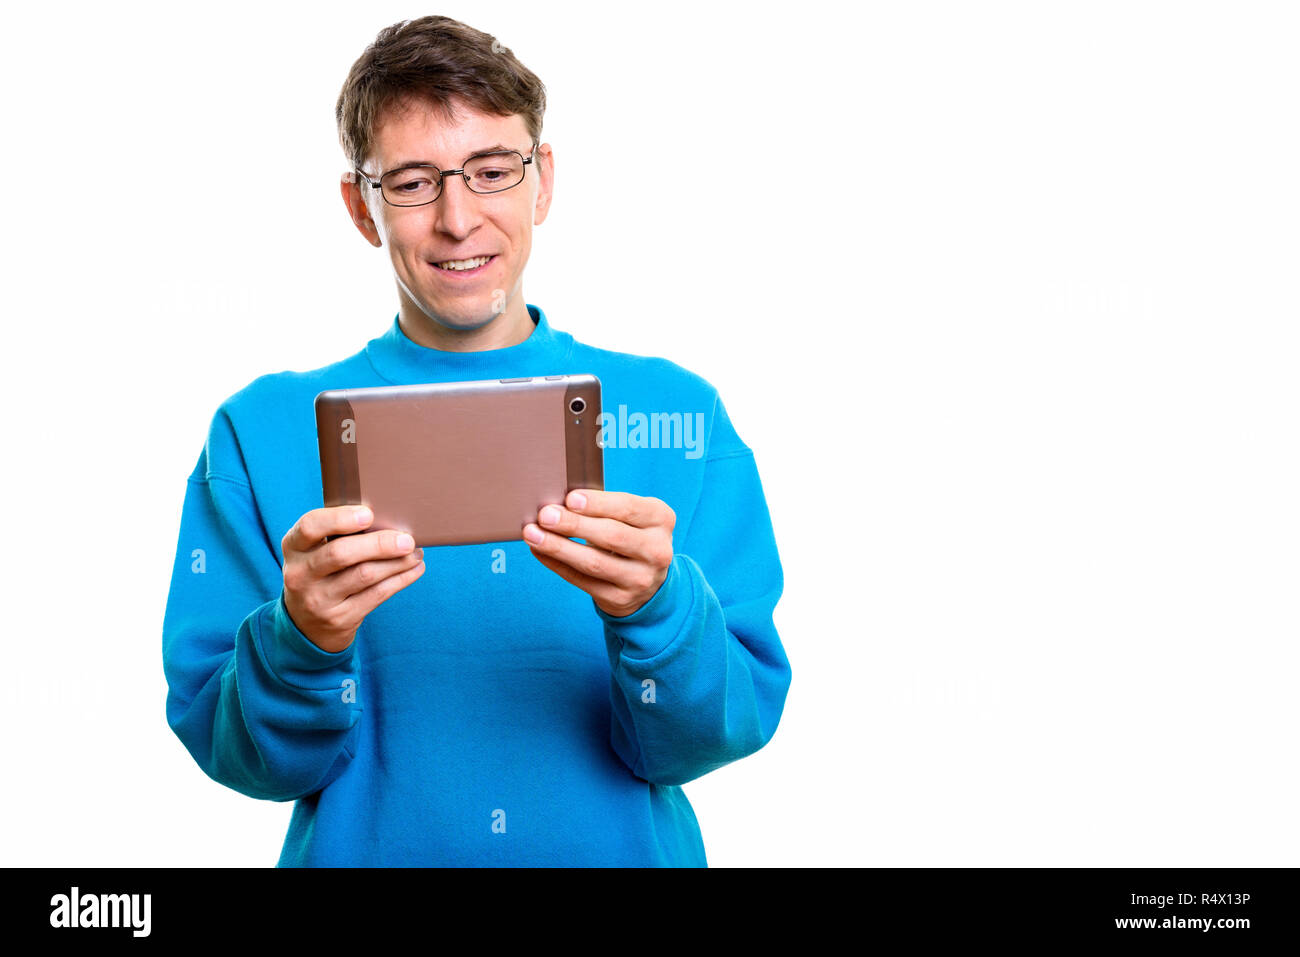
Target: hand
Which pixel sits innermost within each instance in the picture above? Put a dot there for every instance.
(330, 587)
(628, 551)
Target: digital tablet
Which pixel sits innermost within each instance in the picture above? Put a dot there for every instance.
(460, 463)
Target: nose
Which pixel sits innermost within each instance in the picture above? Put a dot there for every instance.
(457, 208)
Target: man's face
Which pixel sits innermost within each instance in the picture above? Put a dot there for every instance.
(460, 225)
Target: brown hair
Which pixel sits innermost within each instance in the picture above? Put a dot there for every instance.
(434, 60)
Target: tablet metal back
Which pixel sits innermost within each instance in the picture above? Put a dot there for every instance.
(459, 463)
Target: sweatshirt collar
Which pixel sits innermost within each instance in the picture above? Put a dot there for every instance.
(401, 361)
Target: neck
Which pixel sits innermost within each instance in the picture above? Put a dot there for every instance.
(508, 328)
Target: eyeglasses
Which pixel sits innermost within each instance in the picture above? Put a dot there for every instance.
(422, 184)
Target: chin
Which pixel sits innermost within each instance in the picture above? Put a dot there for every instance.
(460, 320)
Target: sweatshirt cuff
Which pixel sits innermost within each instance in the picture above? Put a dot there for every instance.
(650, 629)
(290, 655)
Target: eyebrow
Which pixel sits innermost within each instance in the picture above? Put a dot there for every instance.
(497, 148)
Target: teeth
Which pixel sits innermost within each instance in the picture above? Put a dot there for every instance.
(459, 264)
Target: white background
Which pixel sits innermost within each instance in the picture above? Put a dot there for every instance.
(1002, 295)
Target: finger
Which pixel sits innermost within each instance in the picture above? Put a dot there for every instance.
(358, 606)
(343, 553)
(637, 510)
(589, 560)
(640, 544)
(313, 527)
(363, 575)
(600, 590)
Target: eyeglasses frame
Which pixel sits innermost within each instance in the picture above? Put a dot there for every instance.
(443, 174)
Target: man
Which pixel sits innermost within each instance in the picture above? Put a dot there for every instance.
(534, 702)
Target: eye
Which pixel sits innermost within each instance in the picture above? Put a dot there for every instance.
(410, 182)
(494, 171)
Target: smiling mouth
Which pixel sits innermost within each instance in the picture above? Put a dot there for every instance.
(464, 265)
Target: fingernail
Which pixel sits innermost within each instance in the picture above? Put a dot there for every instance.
(550, 515)
(405, 542)
(533, 534)
(577, 500)
(362, 515)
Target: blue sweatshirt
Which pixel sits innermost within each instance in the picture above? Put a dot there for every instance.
(489, 713)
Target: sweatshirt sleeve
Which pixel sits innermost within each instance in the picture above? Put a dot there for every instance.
(699, 676)
(260, 707)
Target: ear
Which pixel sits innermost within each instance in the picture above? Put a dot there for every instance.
(546, 177)
(355, 190)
